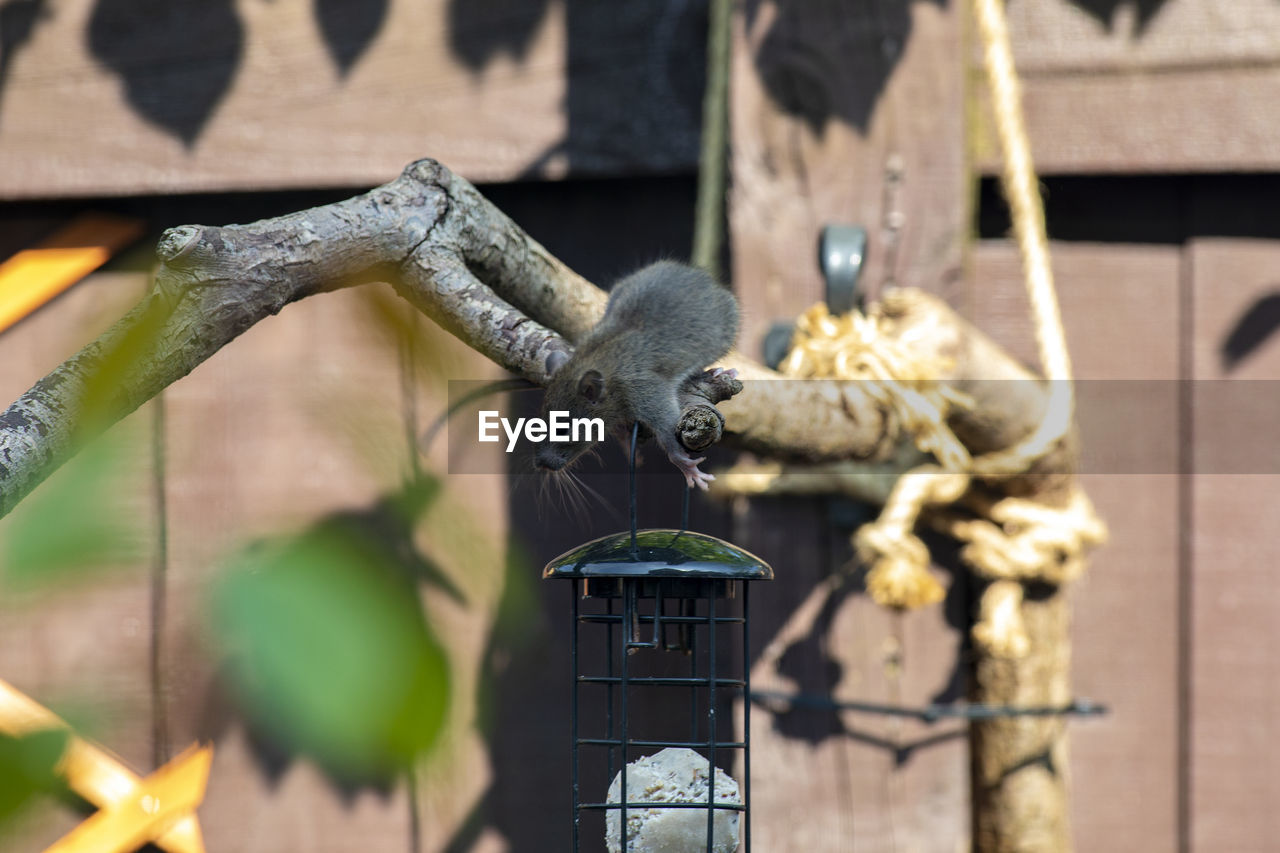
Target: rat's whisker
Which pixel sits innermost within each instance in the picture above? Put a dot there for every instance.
(609, 508)
(582, 505)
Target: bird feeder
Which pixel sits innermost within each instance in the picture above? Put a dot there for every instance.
(659, 655)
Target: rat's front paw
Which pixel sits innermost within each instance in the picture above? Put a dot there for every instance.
(698, 478)
(693, 476)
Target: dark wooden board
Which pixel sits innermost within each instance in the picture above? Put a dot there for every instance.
(1120, 308)
(1234, 629)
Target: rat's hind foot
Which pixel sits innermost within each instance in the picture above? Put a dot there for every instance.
(717, 372)
(693, 477)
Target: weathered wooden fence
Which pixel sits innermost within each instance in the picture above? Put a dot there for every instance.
(864, 113)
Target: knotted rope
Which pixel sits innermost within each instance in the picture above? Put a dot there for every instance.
(1018, 540)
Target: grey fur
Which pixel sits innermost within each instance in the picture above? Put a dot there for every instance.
(662, 325)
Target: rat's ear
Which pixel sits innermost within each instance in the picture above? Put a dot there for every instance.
(591, 386)
(556, 360)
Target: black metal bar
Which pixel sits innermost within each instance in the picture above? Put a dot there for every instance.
(632, 637)
(729, 807)
(608, 713)
(635, 434)
(675, 620)
(930, 713)
(684, 510)
(746, 721)
(664, 681)
(691, 744)
(657, 618)
(711, 721)
(627, 604)
(573, 712)
(690, 610)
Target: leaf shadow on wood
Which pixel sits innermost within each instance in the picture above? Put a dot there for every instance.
(815, 672)
(380, 538)
(829, 60)
(1104, 11)
(635, 74)
(481, 30)
(18, 19)
(176, 60)
(1257, 325)
(349, 28)
(519, 685)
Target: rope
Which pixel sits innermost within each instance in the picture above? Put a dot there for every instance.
(1022, 189)
(893, 373)
(898, 558)
(1026, 540)
(1018, 540)
(1000, 631)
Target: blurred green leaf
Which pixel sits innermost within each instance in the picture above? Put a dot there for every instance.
(331, 653)
(75, 522)
(27, 767)
(113, 377)
(395, 323)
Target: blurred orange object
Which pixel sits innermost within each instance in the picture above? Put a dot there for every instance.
(33, 276)
(159, 809)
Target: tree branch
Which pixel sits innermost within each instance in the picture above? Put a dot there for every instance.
(444, 248)
(461, 261)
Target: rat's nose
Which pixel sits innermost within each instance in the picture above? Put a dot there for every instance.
(547, 461)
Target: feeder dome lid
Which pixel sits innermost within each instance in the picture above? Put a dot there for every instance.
(659, 553)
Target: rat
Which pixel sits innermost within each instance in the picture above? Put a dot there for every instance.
(663, 325)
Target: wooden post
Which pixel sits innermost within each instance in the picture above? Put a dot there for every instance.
(847, 113)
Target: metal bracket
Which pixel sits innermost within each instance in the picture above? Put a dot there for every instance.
(841, 251)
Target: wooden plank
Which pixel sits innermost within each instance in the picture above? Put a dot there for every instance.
(1213, 120)
(83, 648)
(1118, 301)
(1063, 36)
(102, 100)
(1235, 679)
(1120, 307)
(1173, 86)
(843, 115)
(1176, 86)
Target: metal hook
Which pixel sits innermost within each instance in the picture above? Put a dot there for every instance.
(841, 250)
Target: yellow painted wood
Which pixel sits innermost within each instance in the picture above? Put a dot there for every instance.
(131, 812)
(34, 276)
(153, 810)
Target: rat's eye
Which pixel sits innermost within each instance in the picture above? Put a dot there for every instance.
(591, 386)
